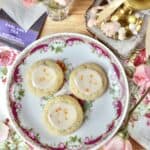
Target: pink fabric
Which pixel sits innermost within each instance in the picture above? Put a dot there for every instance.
(140, 58)
(7, 57)
(142, 76)
(29, 3)
(118, 143)
(142, 79)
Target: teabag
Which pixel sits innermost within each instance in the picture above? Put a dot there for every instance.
(20, 25)
(22, 15)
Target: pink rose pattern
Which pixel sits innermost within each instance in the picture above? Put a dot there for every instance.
(140, 58)
(7, 57)
(141, 78)
(7, 135)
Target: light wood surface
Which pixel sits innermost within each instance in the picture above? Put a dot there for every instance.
(74, 23)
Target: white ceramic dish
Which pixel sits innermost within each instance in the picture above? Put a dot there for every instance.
(103, 117)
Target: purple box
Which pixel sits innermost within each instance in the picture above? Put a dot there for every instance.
(13, 35)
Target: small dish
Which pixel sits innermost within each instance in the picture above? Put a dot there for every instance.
(123, 48)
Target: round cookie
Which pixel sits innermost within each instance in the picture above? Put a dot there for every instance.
(63, 115)
(88, 81)
(44, 78)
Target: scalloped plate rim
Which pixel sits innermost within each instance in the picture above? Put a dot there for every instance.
(15, 125)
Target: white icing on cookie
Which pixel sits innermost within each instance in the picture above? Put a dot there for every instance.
(43, 77)
(88, 81)
(62, 115)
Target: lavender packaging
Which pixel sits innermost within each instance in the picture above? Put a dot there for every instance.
(15, 36)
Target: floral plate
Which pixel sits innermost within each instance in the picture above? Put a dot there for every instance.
(103, 117)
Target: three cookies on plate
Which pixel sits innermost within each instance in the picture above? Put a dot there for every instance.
(63, 114)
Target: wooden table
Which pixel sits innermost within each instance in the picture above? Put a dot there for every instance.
(74, 23)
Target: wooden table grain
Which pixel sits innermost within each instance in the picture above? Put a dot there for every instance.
(74, 23)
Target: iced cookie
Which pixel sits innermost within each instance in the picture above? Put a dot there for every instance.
(88, 81)
(44, 78)
(63, 115)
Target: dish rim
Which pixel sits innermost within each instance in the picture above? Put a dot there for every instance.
(28, 48)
